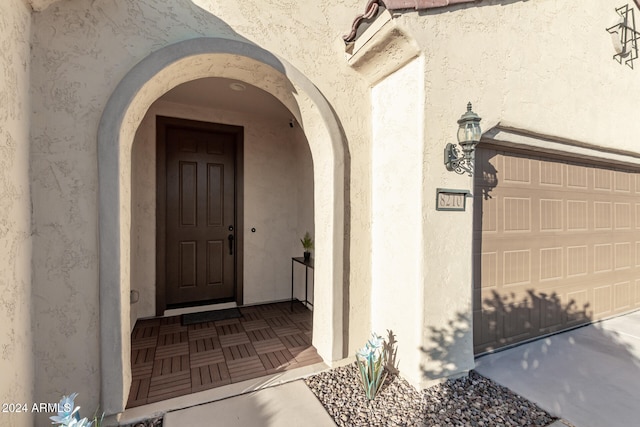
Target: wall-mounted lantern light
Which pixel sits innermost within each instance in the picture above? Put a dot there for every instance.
(469, 134)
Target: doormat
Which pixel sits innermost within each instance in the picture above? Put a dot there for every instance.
(210, 316)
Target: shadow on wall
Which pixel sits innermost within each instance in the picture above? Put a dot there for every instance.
(447, 348)
(512, 319)
(504, 319)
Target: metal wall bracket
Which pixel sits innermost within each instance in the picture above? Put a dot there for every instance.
(456, 162)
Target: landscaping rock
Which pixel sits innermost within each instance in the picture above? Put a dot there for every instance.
(154, 422)
(469, 401)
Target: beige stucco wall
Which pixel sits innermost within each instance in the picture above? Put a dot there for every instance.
(278, 201)
(397, 245)
(540, 65)
(543, 66)
(81, 50)
(16, 350)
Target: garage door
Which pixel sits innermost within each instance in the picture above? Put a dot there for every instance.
(556, 245)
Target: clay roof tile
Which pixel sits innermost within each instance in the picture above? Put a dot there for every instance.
(373, 6)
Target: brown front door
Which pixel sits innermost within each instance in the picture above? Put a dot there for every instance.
(200, 222)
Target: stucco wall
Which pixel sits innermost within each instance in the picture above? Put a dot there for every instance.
(562, 82)
(543, 66)
(397, 235)
(278, 202)
(81, 50)
(16, 352)
(540, 65)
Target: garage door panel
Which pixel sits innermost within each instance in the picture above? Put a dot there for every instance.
(577, 177)
(485, 326)
(602, 179)
(636, 294)
(577, 211)
(622, 181)
(602, 301)
(556, 244)
(622, 296)
(489, 209)
(551, 314)
(516, 214)
(516, 268)
(518, 322)
(577, 307)
(577, 259)
(489, 270)
(552, 173)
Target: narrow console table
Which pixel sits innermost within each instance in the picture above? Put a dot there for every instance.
(307, 265)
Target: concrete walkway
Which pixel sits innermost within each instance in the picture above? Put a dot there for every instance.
(290, 404)
(589, 376)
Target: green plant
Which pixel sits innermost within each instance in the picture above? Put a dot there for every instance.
(370, 360)
(307, 241)
(69, 416)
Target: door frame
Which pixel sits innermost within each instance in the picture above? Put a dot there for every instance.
(162, 123)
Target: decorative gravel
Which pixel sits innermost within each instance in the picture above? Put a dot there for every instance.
(469, 401)
(154, 422)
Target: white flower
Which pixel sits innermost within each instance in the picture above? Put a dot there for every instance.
(365, 352)
(68, 416)
(376, 341)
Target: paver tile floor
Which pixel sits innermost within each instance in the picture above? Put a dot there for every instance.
(170, 360)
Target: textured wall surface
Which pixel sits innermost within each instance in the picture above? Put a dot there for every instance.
(81, 50)
(16, 353)
(397, 255)
(542, 65)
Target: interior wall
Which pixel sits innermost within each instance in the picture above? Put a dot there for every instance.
(278, 203)
(16, 348)
(396, 169)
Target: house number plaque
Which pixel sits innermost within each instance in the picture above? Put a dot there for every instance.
(451, 200)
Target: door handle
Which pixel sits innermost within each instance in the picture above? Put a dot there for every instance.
(230, 244)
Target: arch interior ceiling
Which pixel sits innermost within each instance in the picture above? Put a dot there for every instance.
(217, 92)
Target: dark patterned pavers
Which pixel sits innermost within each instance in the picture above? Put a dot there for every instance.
(169, 359)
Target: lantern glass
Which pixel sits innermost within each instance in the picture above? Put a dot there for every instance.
(469, 132)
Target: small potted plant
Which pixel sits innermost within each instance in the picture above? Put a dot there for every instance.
(307, 244)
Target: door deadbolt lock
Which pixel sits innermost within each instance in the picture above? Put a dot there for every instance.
(231, 228)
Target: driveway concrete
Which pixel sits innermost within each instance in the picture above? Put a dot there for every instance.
(589, 376)
(290, 404)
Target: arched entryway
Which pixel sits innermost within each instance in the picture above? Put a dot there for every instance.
(146, 82)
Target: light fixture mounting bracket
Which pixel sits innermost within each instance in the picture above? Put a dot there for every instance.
(455, 162)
